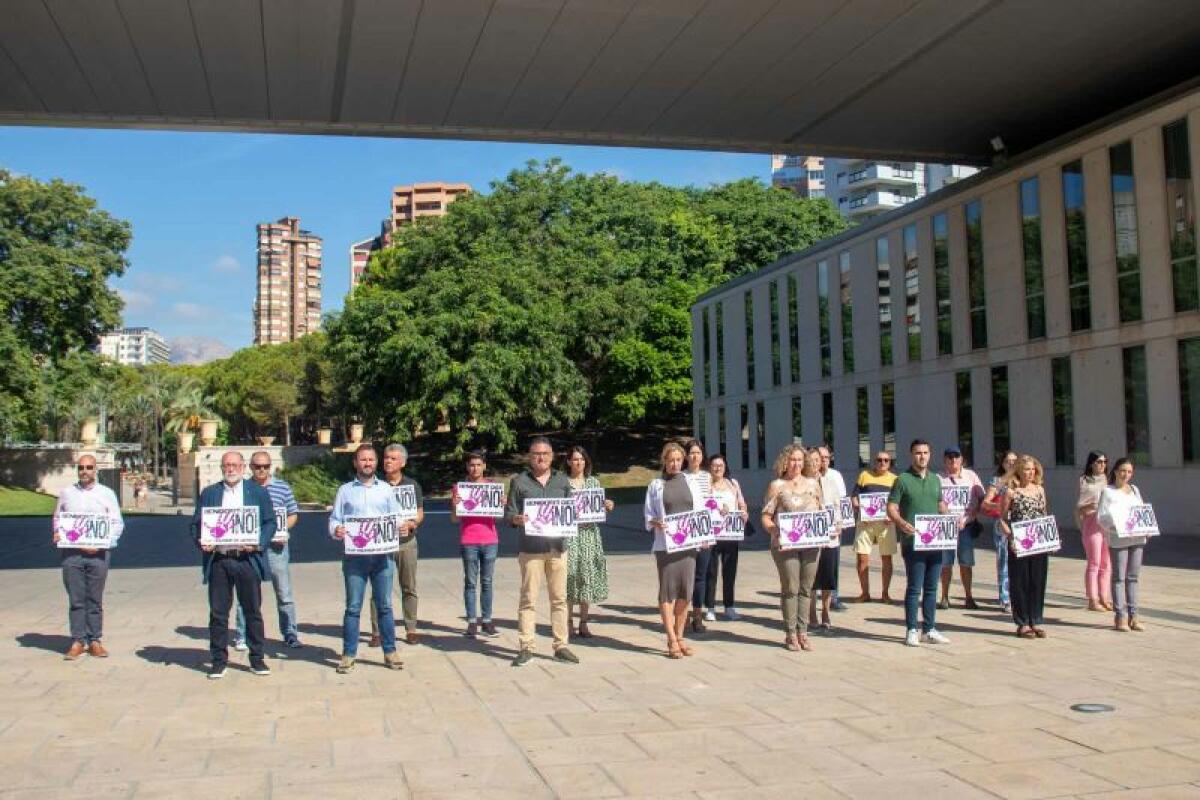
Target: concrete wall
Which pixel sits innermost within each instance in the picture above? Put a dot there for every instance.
(925, 389)
(47, 470)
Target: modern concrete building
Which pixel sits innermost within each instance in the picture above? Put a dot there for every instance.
(862, 189)
(1051, 306)
(361, 252)
(410, 203)
(804, 175)
(135, 346)
(288, 303)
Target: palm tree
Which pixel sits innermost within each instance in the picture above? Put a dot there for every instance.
(187, 406)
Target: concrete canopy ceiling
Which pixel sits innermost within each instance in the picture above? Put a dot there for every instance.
(930, 80)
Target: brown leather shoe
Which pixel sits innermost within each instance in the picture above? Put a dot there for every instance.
(412, 637)
(75, 651)
(96, 649)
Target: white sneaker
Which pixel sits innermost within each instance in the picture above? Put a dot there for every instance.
(933, 637)
(710, 615)
(912, 639)
(240, 645)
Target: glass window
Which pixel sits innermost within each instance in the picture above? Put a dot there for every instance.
(721, 430)
(823, 317)
(976, 289)
(1181, 215)
(1063, 409)
(705, 339)
(1078, 293)
(720, 348)
(912, 285)
(966, 423)
(793, 304)
(745, 421)
(864, 426)
(1001, 427)
(844, 299)
(827, 418)
(776, 365)
(797, 421)
(883, 294)
(760, 429)
(889, 417)
(1129, 279)
(941, 284)
(1031, 254)
(1189, 397)
(748, 305)
(1137, 406)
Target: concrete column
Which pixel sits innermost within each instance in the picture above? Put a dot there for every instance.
(810, 333)
(1003, 266)
(1054, 252)
(1162, 386)
(899, 309)
(1099, 424)
(1031, 411)
(926, 294)
(960, 320)
(1101, 241)
(1154, 244)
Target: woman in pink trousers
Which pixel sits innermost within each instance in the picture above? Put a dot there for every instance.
(1098, 577)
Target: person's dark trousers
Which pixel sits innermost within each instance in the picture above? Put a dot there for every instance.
(1027, 588)
(725, 558)
(700, 587)
(230, 574)
(923, 569)
(84, 576)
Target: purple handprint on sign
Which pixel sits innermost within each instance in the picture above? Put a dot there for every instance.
(74, 534)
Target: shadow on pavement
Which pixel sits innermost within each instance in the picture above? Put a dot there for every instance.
(55, 643)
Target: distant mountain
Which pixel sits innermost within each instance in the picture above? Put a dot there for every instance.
(197, 349)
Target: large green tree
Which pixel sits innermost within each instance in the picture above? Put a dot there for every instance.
(554, 299)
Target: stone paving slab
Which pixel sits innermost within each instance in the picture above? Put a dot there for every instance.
(859, 717)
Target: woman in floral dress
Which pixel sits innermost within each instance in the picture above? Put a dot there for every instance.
(587, 570)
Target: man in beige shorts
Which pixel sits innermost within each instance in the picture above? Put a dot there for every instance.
(873, 530)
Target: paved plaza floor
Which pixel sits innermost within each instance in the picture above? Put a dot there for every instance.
(861, 716)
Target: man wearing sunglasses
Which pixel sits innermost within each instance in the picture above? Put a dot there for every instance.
(287, 513)
(85, 571)
(878, 479)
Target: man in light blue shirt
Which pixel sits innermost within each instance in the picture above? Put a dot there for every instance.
(365, 496)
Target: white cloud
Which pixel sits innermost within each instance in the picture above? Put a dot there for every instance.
(226, 263)
(157, 283)
(135, 301)
(194, 311)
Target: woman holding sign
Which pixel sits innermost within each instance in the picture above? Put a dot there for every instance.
(478, 540)
(797, 488)
(1098, 575)
(587, 569)
(1025, 499)
(1116, 501)
(731, 506)
(700, 482)
(668, 495)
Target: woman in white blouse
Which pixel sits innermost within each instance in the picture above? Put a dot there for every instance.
(1125, 551)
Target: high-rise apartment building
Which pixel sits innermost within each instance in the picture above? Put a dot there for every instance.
(361, 252)
(863, 189)
(410, 203)
(135, 346)
(289, 282)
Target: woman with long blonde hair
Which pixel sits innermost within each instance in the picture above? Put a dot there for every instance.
(797, 487)
(671, 493)
(1025, 499)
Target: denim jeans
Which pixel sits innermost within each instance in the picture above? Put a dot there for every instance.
(1001, 562)
(358, 571)
(923, 570)
(479, 561)
(281, 579)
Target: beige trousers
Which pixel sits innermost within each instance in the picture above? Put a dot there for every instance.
(553, 567)
(797, 572)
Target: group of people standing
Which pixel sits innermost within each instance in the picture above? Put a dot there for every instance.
(575, 569)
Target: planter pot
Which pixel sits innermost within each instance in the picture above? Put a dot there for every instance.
(89, 431)
(185, 441)
(208, 432)
(266, 441)
(324, 435)
(356, 433)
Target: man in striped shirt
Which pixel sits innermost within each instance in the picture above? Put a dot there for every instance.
(287, 513)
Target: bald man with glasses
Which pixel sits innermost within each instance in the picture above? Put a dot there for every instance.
(85, 570)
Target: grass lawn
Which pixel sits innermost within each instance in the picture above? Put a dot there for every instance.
(22, 502)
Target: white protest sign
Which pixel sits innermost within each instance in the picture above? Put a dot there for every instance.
(703, 482)
(235, 526)
(730, 527)
(87, 531)
(281, 528)
(846, 512)
(589, 505)
(688, 530)
(1140, 521)
(835, 525)
(1033, 536)
(406, 496)
(873, 506)
(956, 497)
(551, 517)
(479, 499)
(372, 536)
(935, 532)
(801, 530)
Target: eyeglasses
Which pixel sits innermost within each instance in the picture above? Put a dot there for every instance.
(1101, 460)
(883, 461)
(260, 466)
(88, 467)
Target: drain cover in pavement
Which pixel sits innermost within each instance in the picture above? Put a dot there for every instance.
(1092, 708)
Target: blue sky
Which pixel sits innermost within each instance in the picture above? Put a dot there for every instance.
(194, 199)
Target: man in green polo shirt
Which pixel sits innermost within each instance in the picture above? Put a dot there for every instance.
(918, 491)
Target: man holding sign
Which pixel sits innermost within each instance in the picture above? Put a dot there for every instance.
(918, 491)
(365, 518)
(87, 524)
(233, 525)
(287, 513)
(412, 503)
(541, 547)
(962, 490)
